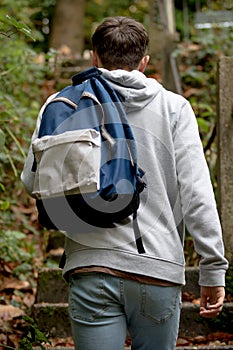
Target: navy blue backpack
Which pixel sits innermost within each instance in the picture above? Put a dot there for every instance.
(85, 160)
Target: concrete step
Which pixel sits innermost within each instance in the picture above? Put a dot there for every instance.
(51, 287)
(52, 319)
(191, 325)
(52, 305)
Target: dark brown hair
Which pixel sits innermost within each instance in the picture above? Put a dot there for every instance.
(120, 42)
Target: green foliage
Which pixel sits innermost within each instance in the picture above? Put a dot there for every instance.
(19, 26)
(229, 282)
(33, 337)
(198, 61)
(15, 248)
(11, 244)
(21, 78)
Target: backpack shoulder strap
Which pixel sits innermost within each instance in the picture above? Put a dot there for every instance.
(66, 100)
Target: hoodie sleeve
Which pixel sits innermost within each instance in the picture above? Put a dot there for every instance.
(197, 198)
(27, 175)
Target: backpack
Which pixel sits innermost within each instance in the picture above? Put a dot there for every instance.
(85, 160)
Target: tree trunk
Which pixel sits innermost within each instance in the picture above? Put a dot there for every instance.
(163, 38)
(225, 151)
(68, 26)
(156, 30)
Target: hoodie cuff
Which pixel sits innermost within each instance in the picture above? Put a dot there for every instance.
(212, 278)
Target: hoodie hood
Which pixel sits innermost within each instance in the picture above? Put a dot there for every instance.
(136, 90)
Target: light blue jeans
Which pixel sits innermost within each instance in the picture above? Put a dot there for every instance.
(103, 307)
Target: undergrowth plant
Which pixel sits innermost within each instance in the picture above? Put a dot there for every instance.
(21, 78)
(198, 63)
(198, 66)
(33, 336)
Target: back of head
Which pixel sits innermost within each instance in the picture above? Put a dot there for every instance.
(120, 43)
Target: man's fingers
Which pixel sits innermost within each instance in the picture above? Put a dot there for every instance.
(207, 313)
(212, 299)
(211, 310)
(217, 306)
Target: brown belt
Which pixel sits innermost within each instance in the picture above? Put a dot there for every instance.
(125, 275)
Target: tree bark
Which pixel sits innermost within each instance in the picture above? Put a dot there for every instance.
(225, 151)
(68, 26)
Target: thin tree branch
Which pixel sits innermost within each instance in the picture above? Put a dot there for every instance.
(211, 140)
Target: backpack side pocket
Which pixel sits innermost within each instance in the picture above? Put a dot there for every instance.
(67, 164)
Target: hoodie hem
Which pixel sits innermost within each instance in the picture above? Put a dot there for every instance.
(126, 262)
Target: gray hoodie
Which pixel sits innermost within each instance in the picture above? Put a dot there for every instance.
(179, 192)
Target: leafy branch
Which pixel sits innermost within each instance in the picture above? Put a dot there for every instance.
(33, 337)
(16, 142)
(8, 35)
(18, 26)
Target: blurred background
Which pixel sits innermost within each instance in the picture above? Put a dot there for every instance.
(42, 45)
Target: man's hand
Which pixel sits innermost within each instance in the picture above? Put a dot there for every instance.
(212, 299)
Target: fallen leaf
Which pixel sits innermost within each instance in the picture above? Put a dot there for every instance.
(200, 339)
(6, 267)
(15, 284)
(192, 91)
(29, 299)
(182, 342)
(187, 296)
(62, 342)
(3, 338)
(8, 312)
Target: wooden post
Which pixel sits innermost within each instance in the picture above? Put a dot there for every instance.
(170, 74)
(225, 151)
(170, 16)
